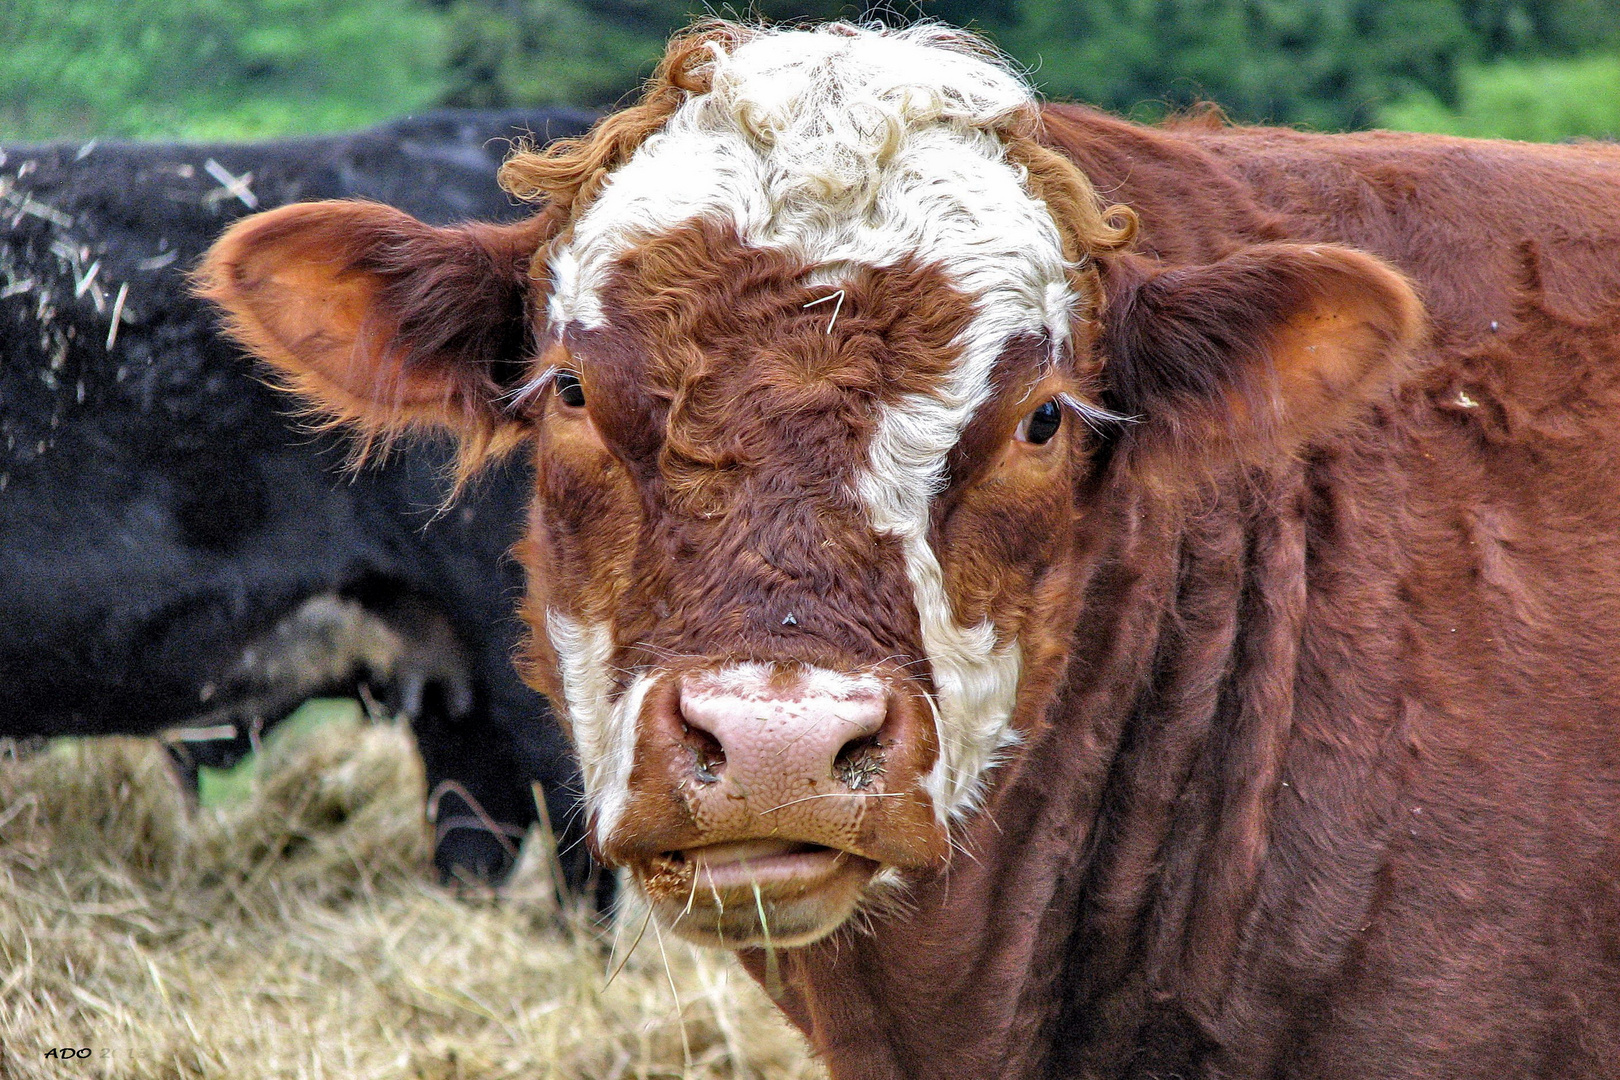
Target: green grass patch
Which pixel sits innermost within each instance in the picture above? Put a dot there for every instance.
(234, 786)
(1535, 100)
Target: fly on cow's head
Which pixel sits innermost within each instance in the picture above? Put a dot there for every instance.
(816, 347)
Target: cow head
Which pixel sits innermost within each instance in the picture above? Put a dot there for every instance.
(820, 352)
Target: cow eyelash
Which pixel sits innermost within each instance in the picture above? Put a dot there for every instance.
(1102, 421)
(522, 396)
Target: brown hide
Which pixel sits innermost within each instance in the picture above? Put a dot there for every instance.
(1332, 784)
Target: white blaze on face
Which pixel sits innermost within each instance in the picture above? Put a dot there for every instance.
(847, 148)
(604, 729)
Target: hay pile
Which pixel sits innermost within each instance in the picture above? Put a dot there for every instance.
(297, 935)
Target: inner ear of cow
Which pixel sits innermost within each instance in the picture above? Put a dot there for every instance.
(1237, 361)
(379, 320)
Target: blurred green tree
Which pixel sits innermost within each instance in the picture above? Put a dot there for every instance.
(1327, 64)
(1519, 28)
(543, 52)
(229, 68)
(214, 68)
(522, 52)
(1541, 70)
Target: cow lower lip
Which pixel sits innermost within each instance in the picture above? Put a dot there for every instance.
(756, 892)
(764, 863)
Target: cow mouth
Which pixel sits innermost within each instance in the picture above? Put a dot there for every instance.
(753, 893)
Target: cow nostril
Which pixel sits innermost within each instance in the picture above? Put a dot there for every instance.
(859, 762)
(709, 757)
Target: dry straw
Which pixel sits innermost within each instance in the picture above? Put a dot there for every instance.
(298, 935)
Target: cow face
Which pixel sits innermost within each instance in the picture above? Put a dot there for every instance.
(812, 347)
(790, 638)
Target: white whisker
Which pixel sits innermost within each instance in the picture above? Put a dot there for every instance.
(838, 795)
(639, 934)
(680, 1014)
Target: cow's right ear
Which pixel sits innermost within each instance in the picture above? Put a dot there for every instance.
(379, 320)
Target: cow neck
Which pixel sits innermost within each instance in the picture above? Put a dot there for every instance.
(1183, 820)
(1093, 913)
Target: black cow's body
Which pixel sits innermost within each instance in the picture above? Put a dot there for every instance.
(175, 550)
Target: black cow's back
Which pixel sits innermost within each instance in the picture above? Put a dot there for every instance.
(176, 549)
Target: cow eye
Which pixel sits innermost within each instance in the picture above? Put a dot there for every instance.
(569, 390)
(1039, 426)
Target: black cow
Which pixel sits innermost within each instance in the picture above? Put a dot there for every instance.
(176, 551)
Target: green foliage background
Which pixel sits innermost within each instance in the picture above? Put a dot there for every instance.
(1534, 69)
(214, 68)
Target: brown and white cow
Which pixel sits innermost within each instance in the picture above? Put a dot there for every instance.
(1071, 640)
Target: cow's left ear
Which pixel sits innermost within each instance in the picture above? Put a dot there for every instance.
(377, 319)
(1240, 360)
